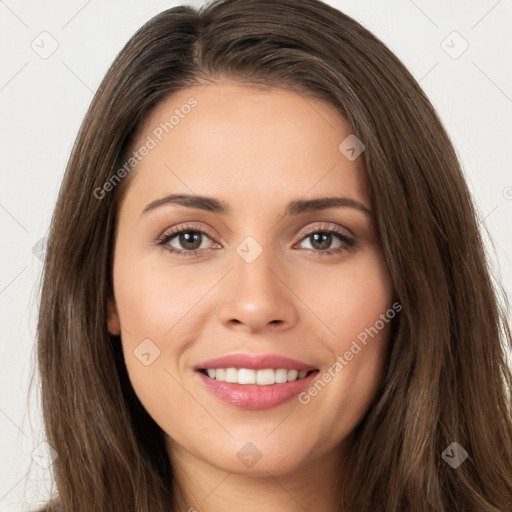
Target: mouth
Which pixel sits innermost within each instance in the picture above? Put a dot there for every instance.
(261, 377)
(255, 381)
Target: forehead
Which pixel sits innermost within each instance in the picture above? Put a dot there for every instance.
(247, 142)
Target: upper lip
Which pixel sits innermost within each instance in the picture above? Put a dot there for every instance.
(255, 362)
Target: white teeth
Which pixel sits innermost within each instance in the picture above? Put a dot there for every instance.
(292, 374)
(265, 377)
(281, 376)
(231, 375)
(246, 376)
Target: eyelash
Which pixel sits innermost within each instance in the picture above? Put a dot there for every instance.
(347, 242)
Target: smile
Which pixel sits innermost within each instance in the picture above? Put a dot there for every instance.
(255, 381)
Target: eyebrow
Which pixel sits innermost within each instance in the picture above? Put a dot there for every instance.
(296, 207)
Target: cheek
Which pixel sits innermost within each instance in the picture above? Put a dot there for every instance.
(153, 303)
(152, 298)
(347, 299)
(354, 304)
(158, 308)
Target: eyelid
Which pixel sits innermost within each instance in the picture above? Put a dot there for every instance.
(348, 241)
(184, 227)
(327, 226)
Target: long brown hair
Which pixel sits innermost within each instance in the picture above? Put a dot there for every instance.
(446, 378)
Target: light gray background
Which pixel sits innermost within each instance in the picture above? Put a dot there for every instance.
(43, 100)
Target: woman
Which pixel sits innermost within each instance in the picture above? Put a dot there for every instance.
(265, 286)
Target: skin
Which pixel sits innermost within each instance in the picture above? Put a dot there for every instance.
(256, 150)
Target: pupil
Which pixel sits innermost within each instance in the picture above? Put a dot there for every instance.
(325, 240)
(187, 238)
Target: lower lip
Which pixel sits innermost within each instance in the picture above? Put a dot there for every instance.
(253, 396)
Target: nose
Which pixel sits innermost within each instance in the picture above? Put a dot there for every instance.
(257, 296)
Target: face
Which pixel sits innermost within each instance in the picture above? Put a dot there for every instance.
(255, 322)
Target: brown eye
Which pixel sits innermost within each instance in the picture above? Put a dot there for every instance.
(321, 241)
(185, 240)
(190, 240)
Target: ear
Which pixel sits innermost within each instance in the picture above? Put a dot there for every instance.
(113, 324)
